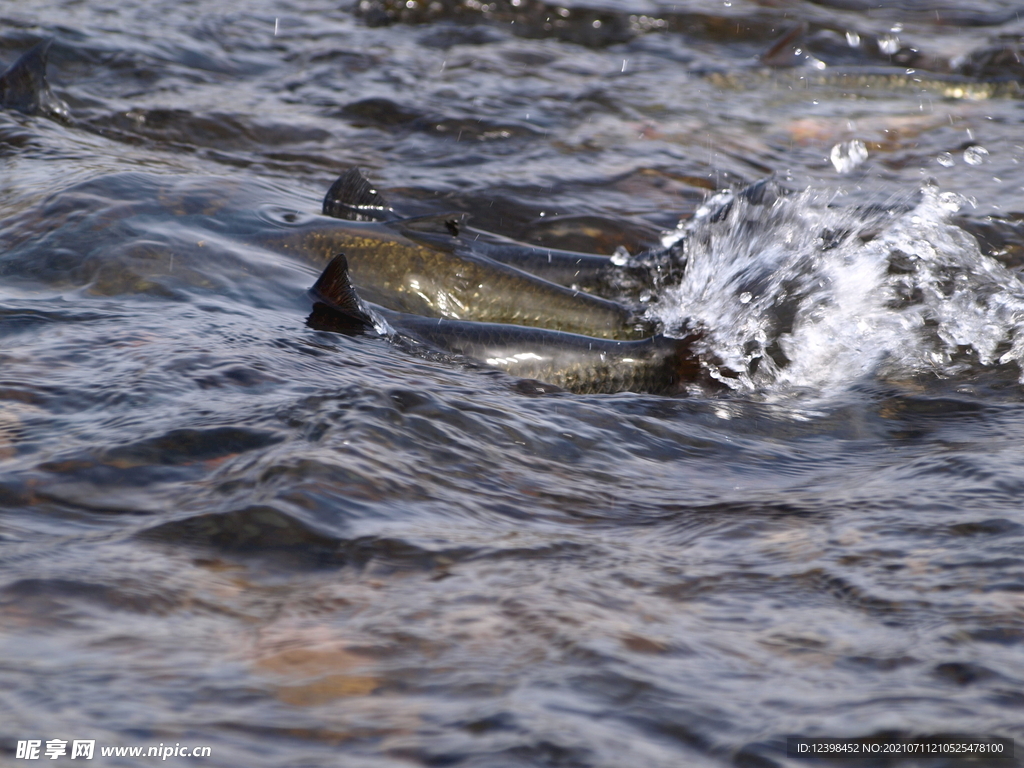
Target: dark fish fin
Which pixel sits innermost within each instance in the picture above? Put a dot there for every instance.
(333, 289)
(438, 231)
(323, 318)
(686, 367)
(23, 86)
(352, 197)
(787, 51)
(692, 363)
(448, 224)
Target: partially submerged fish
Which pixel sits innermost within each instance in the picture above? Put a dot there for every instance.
(575, 361)
(388, 266)
(656, 365)
(397, 272)
(352, 197)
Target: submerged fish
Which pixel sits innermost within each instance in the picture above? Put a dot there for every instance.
(984, 74)
(871, 80)
(656, 365)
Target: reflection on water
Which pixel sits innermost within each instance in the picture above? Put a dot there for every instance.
(223, 527)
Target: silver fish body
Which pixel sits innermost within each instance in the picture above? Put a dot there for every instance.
(404, 275)
(657, 364)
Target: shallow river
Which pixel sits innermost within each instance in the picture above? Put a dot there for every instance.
(223, 527)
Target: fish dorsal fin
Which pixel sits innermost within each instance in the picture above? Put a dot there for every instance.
(23, 85)
(352, 197)
(334, 290)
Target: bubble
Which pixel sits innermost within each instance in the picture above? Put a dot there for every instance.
(889, 44)
(745, 297)
(945, 160)
(621, 257)
(847, 155)
(951, 202)
(975, 155)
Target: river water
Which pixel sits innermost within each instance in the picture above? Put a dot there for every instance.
(222, 527)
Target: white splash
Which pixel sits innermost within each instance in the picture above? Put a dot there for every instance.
(847, 155)
(797, 294)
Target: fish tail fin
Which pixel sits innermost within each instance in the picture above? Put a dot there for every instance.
(692, 362)
(686, 364)
(334, 290)
(686, 361)
(23, 85)
(352, 197)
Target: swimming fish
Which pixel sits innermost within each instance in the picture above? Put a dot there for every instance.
(399, 273)
(352, 197)
(393, 264)
(656, 365)
(871, 80)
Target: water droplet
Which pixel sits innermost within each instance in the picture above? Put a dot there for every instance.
(945, 160)
(745, 297)
(847, 155)
(888, 44)
(975, 155)
(621, 257)
(951, 201)
(852, 39)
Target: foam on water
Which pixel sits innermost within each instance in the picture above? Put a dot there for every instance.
(799, 293)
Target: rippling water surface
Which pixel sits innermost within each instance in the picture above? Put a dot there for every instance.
(223, 527)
